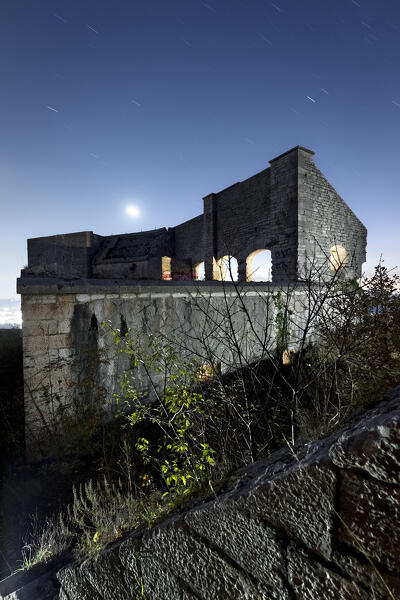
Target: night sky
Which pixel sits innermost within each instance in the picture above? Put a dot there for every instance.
(157, 103)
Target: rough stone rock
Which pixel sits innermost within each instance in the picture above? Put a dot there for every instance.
(313, 581)
(74, 584)
(253, 546)
(201, 570)
(373, 446)
(300, 503)
(366, 574)
(105, 574)
(369, 515)
(162, 583)
(130, 557)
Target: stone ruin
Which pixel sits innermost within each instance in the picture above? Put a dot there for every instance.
(288, 208)
(150, 280)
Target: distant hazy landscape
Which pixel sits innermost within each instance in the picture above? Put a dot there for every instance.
(10, 313)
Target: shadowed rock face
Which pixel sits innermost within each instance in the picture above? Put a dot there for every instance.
(321, 521)
(296, 525)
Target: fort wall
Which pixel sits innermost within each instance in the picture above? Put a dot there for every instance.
(146, 281)
(70, 356)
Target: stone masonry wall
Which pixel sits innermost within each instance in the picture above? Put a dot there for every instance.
(288, 208)
(325, 220)
(66, 255)
(189, 240)
(319, 522)
(69, 355)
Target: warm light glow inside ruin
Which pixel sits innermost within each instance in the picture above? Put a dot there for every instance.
(337, 258)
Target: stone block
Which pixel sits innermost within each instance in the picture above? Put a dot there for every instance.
(130, 557)
(33, 328)
(83, 298)
(64, 326)
(364, 573)
(105, 574)
(40, 311)
(59, 340)
(372, 446)
(368, 511)
(36, 381)
(311, 580)
(46, 299)
(74, 584)
(35, 344)
(201, 570)
(251, 545)
(161, 583)
(300, 503)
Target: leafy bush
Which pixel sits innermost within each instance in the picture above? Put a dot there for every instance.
(180, 455)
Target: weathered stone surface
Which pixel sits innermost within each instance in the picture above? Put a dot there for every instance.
(300, 503)
(74, 584)
(366, 574)
(87, 352)
(130, 556)
(373, 446)
(313, 581)
(250, 544)
(106, 576)
(202, 571)
(369, 518)
(162, 583)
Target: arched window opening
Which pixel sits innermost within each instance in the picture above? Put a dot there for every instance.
(199, 272)
(124, 327)
(93, 323)
(227, 267)
(259, 266)
(337, 259)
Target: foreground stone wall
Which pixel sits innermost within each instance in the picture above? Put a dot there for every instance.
(69, 356)
(322, 521)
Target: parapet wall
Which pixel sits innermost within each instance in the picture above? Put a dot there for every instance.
(69, 354)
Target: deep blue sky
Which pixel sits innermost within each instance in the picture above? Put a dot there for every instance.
(162, 102)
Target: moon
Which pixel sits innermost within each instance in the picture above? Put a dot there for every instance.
(132, 211)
